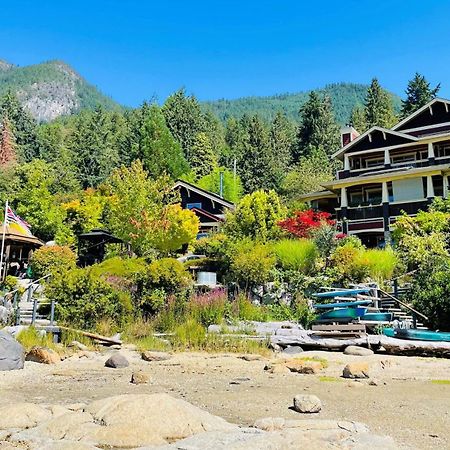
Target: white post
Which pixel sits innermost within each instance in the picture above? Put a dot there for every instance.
(430, 150)
(3, 242)
(430, 188)
(387, 157)
(445, 186)
(346, 162)
(344, 202)
(384, 192)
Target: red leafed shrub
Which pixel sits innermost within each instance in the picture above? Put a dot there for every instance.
(304, 222)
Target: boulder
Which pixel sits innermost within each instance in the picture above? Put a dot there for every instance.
(251, 357)
(155, 356)
(22, 415)
(357, 351)
(292, 350)
(270, 423)
(302, 366)
(12, 354)
(277, 368)
(138, 420)
(139, 377)
(356, 370)
(307, 404)
(117, 361)
(43, 355)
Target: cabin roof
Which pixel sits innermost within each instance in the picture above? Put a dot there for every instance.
(205, 193)
(12, 235)
(368, 136)
(98, 234)
(424, 115)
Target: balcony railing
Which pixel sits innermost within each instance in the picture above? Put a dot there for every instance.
(363, 213)
(409, 208)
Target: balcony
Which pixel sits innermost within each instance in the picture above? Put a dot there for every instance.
(363, 212)
(409, 208)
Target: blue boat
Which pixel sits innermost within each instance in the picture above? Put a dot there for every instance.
(342, 304)
(342, 293)
(417, 335)
(378, 317)
(343, 314)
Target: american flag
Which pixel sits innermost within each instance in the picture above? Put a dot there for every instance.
(12, 217)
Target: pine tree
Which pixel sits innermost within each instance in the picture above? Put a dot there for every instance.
(159, 152)
(282, 136)
(318, 128)
(256, 166)
(184, 119)
(418, 94)
(358, 119)
(202, 158)
(23, 127)
(7, 150)
(379, 110)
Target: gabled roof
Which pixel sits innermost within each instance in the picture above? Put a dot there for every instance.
(202, 212)
(420, 111)
(368, 133)
(208, 194)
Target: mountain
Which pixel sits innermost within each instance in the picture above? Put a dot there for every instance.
(51, 89)
(344, 97)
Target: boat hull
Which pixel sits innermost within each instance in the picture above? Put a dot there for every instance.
(342, 304)
(342, 293)
(417, 335)
(377, 317)
(343, 313)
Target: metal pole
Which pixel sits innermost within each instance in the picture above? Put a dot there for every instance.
(3, 243)
(33, 318)
(221, 184)
(52, 313)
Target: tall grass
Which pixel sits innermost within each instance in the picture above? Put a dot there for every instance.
(30, 337)
(381, 263)
(296, 254)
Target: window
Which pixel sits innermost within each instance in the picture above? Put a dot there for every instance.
(194, 205)
(443, 151)
(375, 162)
(373, 196)
(398, 159)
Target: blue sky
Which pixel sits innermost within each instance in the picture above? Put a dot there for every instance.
(133, 50)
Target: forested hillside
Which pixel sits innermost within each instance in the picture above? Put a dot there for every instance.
(51, 89)
(344, 97)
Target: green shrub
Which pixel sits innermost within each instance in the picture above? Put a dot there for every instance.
(251, 263)
(430, 293)
(295, 254)
(119, 267)
(212, 246)
(54, 259)
(30, 337)
(349, 262)
(163, 278)
(244, 309)
(83, 299)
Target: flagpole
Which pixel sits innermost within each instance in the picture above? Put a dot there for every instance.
(3, 242)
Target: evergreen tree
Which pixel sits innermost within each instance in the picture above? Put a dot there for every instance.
(202, 158)
(318, 128)
(159, 152)
(379, 110)
(358, 119)
(7, 150)
(418, 94)
(95, 144)
(282, 136)
(256, 166)
(184, 119)
(23, 126)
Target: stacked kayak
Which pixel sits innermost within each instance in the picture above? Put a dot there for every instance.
(342, 311)
(417, 335)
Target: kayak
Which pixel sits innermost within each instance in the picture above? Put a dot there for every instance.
(378, 316)
(417, 335)
(342, 304)
(342, 293)
(343, 313)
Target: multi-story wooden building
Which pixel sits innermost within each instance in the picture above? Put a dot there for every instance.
(389, 171)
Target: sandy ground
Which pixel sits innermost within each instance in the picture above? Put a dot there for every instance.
(406, 404)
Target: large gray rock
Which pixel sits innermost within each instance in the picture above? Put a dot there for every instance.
(12, 354)
(357, 351)
(307, 404)
(117, 361)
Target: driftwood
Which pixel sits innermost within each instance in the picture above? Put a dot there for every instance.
(96, 337)
(392, 346)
